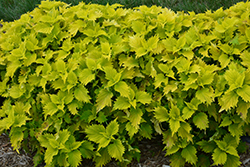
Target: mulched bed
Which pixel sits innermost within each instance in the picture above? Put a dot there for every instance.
(151, 156)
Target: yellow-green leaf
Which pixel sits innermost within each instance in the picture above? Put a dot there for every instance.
(116, 149)
(201, 120)
(103, 99)
(81, 94)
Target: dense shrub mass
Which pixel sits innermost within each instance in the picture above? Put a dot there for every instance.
(89, 81)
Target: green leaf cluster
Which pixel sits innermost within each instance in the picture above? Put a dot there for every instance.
(90, 81)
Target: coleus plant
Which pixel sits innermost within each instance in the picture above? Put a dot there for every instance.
(90, 81)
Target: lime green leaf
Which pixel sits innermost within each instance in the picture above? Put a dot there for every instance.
(43, 28)
(167, 70)
(219, 157)
(184, 131)
(121, 103)
(131, 129)
(67, 45)
(180, 43)
(63, 136)
(138, 26)
(220, 28)
(189, 153)
(170, 87)
(140, 52)
(73, 107)
(91, 64)
(43, 139)
(235, 130)
(128, 74)
(205, 79)
(86, 150)
(242, 109)
(174, 125)
(244, 93)
(135, 42)
(226, 122)
(20, 120)
(48, 5)
(234, 78)
(205, 95)
(174, 112)
(103, 99)
(54, 143)
(188, 54)
(226, 48)
(245, 58)
(46, 69)
(103, 158)
(143, 97)
(232, 150)
(159, 79)
(183, 65)
(72, 78)
(17, 91)
(105, 48)
(232, 161)
(49, 154)
(224, 60)
(247, 31)
(112, 75)
(172, 150)
(96, 133)
(235, 40)
(228, 100)
(68, 97)
(116, 149)
(50, 109)
(74, 158)
(201, 120)
(30, 58)
(86, 76)
(75, 145)
(122, 88)
(169, 44)
(187, 113)
(55, 99)
(152, 43)
(16, 136)
(169, 139)
(112, 128)
(221, 144)
(12, 67)
(73, 28)
(127, 61)
(161, 114)
(81, 94)
(135, 117)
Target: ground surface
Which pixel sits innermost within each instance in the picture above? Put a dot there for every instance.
(151, 156)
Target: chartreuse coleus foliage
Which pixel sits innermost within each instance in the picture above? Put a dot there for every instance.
(89, 81)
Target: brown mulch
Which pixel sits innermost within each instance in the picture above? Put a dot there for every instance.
(151, 156)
